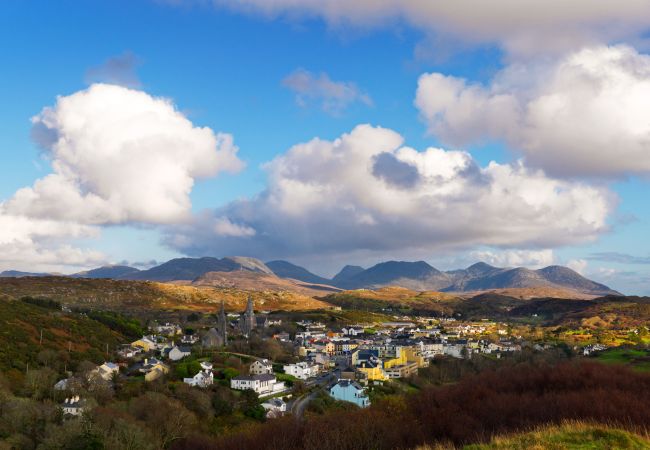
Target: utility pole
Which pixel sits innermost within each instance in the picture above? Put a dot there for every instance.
(41, 340)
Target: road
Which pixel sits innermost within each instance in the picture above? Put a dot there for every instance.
(300, 403)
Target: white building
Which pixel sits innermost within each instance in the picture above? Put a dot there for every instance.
(107, 370)
(274, 407)
(202, 379)
(261, 384)
(73, 406)
(177, 353)
(261, 366)
(301, 370)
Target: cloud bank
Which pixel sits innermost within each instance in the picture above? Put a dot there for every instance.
(585, 114)
(118, 156)
(523, 27)
(366, 192)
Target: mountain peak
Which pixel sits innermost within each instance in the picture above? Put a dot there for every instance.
(285, 269)
(347, 272)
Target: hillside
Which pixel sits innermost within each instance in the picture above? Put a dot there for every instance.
(395, 297)
(568, 436)
(255, 281)
(121, 295)
(75, 335)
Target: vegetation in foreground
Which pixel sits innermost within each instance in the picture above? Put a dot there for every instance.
(570, 435)
(473, 411)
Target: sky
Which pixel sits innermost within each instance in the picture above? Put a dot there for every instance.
(327, 133)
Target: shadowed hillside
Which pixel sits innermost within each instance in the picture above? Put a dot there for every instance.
(143, 295)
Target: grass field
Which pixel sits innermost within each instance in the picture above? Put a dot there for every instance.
(637, 358)
(569, 436)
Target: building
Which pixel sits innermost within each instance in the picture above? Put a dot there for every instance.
(212, 339)
(189, 339)
(73, 406)
(107, 370)
(350, 391)
(153, 369)
(261, 384)
(202, 379)
(261, 366)
(274, 407)
(372, 370)
(247, 321)
(222, 324)
(177, 353)
(301, 370)
(146, 343)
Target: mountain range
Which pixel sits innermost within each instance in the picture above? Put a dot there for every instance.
(418, 275)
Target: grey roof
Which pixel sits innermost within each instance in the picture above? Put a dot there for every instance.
(262, 377)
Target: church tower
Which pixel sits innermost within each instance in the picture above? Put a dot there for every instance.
(248, 318)
(223, 324)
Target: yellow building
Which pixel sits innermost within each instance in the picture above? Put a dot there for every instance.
(372, 371)
(144, 343)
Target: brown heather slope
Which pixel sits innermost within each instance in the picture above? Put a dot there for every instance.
(395, 297)
(144, 295)
(531, 293)
(256, 281)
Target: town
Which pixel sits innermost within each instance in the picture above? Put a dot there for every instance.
(346, 362)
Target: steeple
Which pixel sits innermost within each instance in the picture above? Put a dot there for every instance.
(223, 323)
(247, 319)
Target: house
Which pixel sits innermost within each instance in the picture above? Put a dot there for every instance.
(372, 370)
(352, 331)
(64, 384)
(129, 351)
(202, 379)
(261, 366)
(177, 353)
(301, 370)
(153, 369)
(146, 343)
(350, 391)
(189, 339)
(73, 406)
(107, 370)
(168, 329)
(274, 407)
(261, 384)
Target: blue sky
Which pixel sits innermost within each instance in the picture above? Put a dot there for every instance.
(224, 70)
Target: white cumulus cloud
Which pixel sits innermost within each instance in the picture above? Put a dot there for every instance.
(120, 155)
(367, 192)
(583, 114)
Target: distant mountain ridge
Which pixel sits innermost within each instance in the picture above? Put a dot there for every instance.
(417, 276)
(192, 268)
(114, 272)
(285, 269)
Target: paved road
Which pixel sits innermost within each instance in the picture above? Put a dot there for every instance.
(300, 403)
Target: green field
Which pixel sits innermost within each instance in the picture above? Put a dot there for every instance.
(570, 436)
(639, 359)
